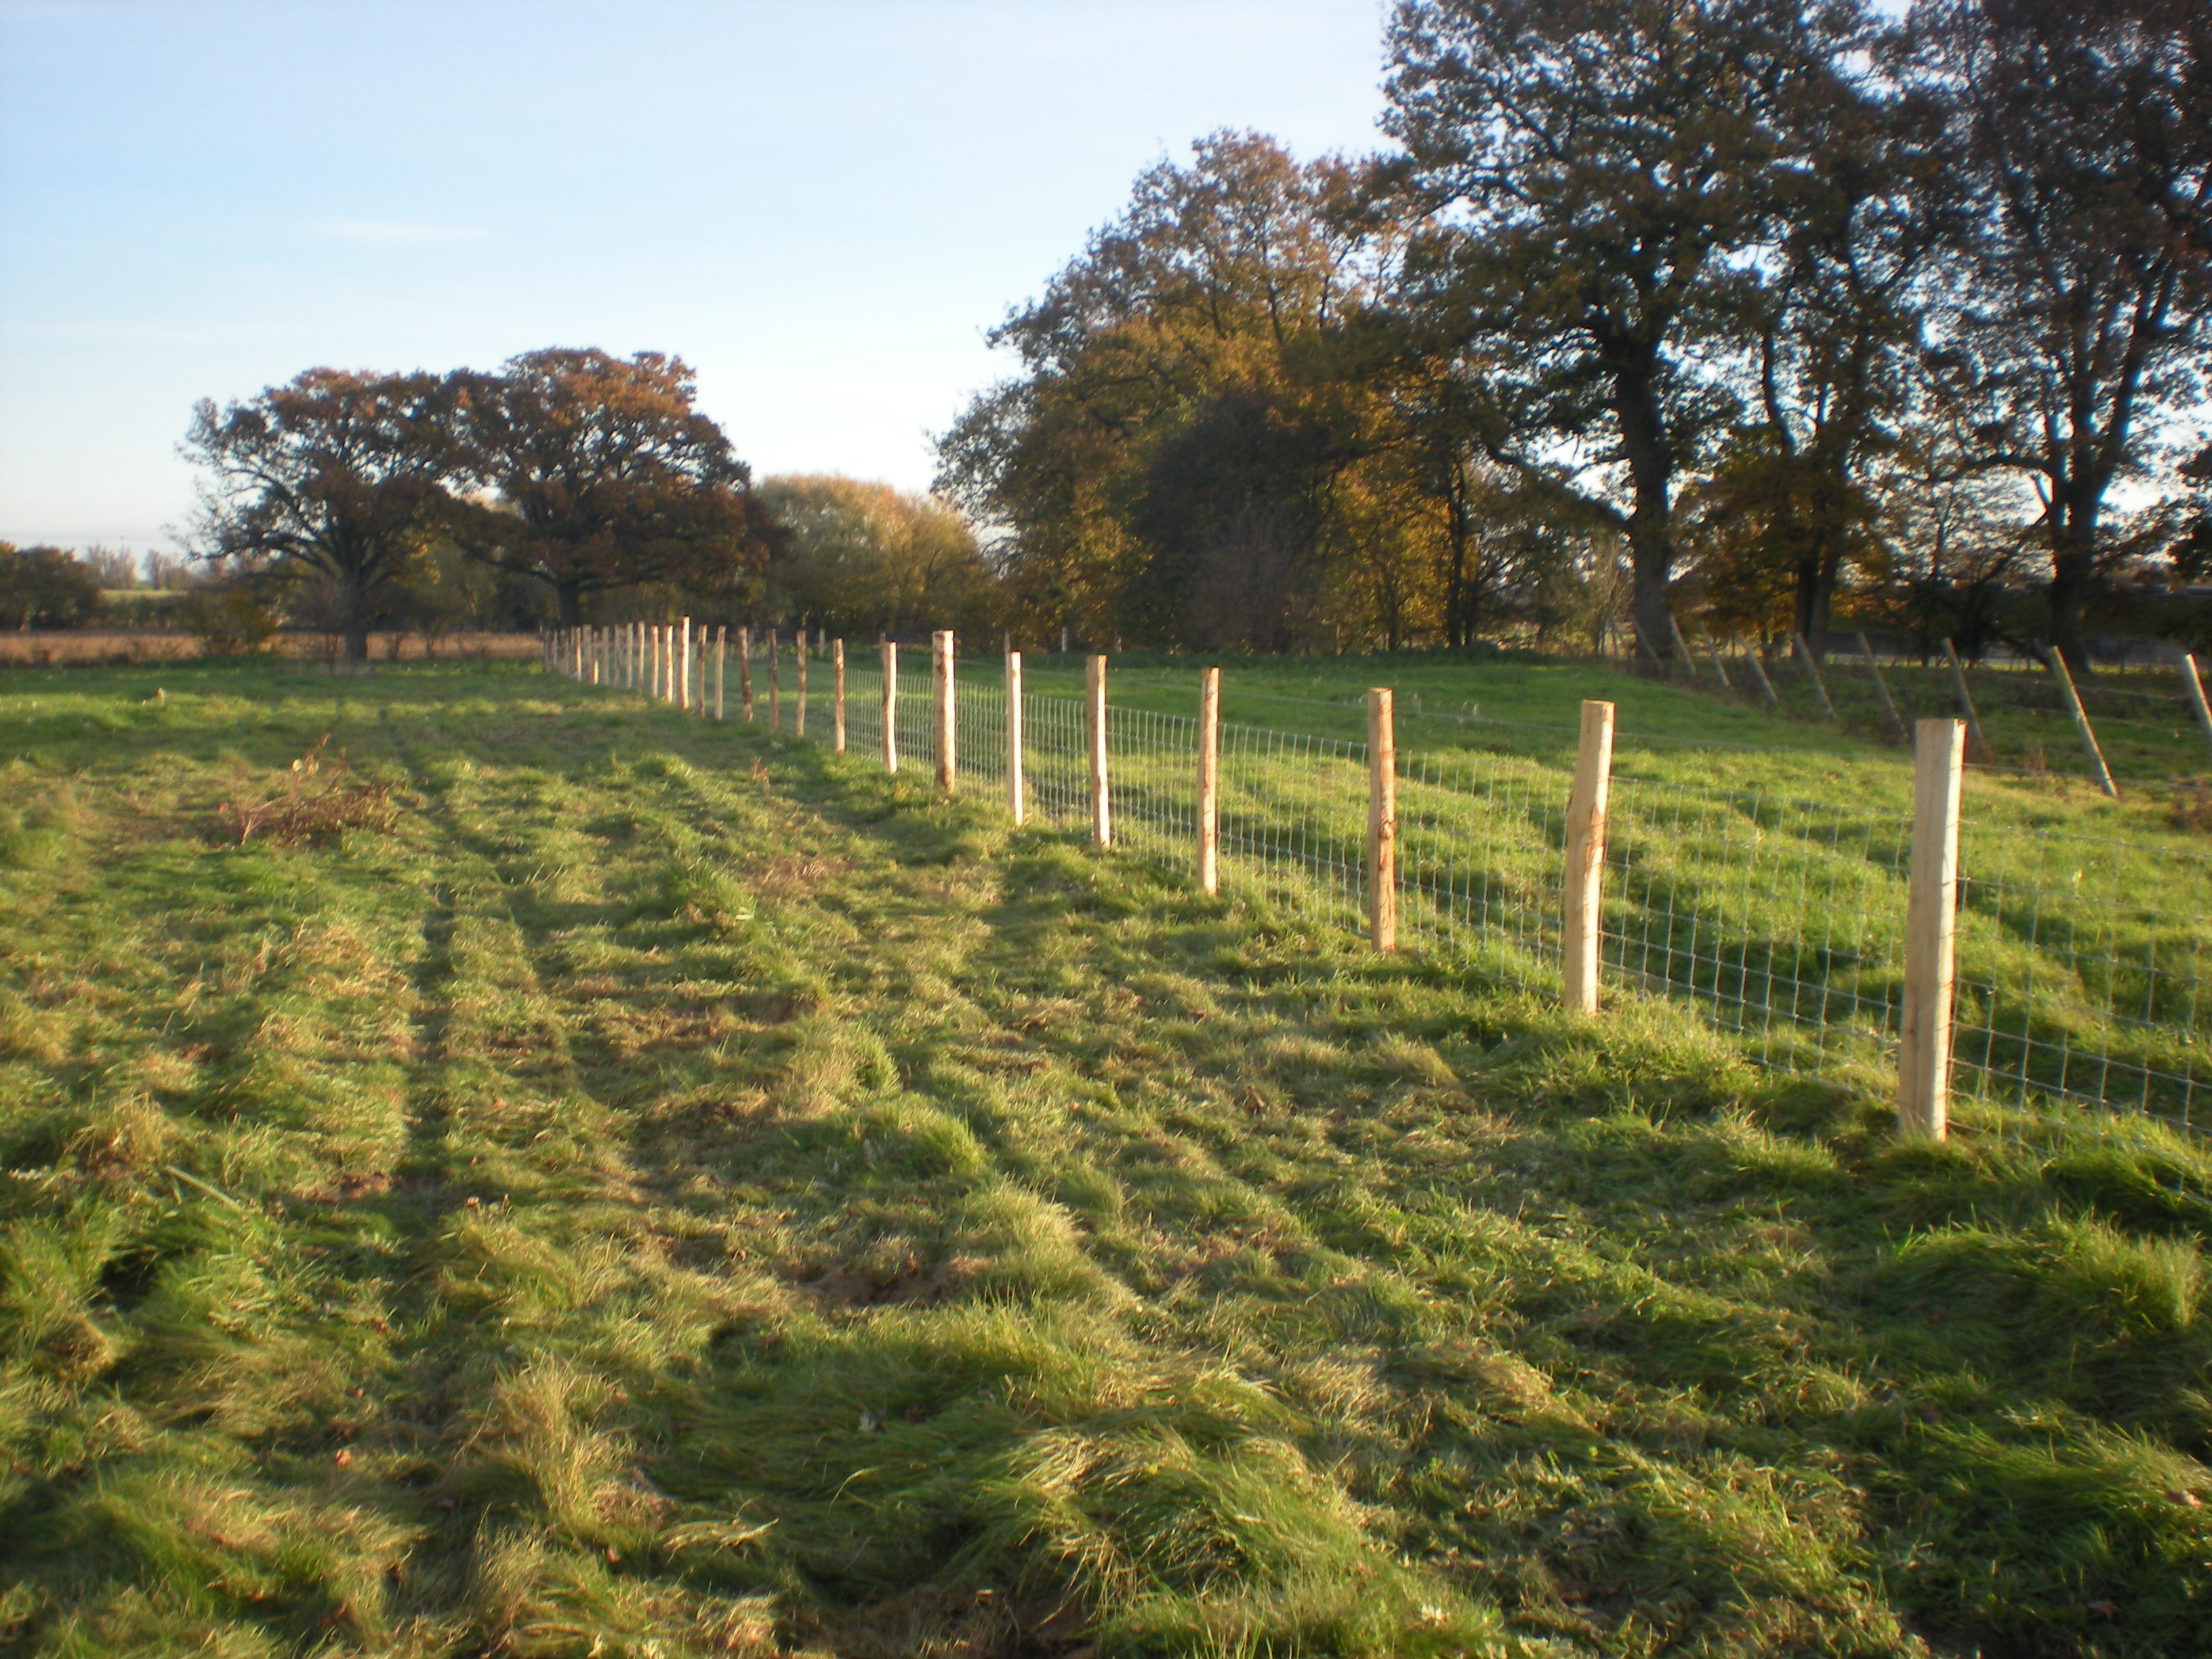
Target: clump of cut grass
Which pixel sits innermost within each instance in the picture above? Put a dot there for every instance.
(311, 809)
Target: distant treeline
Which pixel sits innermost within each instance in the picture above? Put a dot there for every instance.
(1733, 308)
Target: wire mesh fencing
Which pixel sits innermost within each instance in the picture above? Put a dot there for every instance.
(2080, 963)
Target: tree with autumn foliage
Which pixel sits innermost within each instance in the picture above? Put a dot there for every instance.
(337, 478)
(600, 473)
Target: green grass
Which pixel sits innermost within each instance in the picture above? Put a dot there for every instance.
(680, 1193)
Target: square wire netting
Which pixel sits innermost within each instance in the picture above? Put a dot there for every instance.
(2081, 963)
(2081, 970)
(1781, 920)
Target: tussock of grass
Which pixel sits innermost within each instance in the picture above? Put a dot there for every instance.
(676, 1193)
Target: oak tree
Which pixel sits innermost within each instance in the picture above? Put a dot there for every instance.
(601, 472)
(337, 478)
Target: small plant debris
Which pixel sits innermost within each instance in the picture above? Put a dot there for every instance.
(319, 802)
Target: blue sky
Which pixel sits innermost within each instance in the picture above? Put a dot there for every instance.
(821, 204)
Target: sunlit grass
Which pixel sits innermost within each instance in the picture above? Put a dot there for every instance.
(677, 1193)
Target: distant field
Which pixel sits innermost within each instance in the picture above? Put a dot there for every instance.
(651, 1188)
(31, 649)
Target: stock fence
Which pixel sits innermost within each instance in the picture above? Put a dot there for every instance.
(2080, 963)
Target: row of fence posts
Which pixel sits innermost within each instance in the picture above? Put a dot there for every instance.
(659, 659)
(2192, 689)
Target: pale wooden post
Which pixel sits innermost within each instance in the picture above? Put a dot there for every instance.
(721, 664)
(891, 705)
(652, 666)
(775, 682)
(837, 698)
(1820, 687)
(940, 668)
(1896, 720)
(1923, 1050)
(1381, 822)
(798, 708)
(1758, 673)
(2057, 666)
(2194, 687)
(1720, 670)
(745, 673)
(1581, 914)
(1102, 811)
(1014, 802)
(1209, 781)
(683, 668)
(1682, 647)
(1981, 744)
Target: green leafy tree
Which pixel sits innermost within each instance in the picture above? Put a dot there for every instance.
(336, 479)
(1592, 176)
(859, 557)
(2081, 144)
(45, 588)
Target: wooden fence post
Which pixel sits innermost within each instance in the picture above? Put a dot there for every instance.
(2195, 687)
(1209, 781)
(837, 697)
(683, 666)
(1014, 802)
(1682, 647)
(1813, 668)
(1381, 822)
(891, 705)
(1980, 743)
(745, 673)
(798, 708)
(1102, 813)
(775, 684)
(1759, 672)
(940, 668)
(1923, 1050)
(1896, 720)
(2057, 666)
(1581, 916)
(1720, 669)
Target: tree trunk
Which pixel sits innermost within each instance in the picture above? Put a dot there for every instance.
(1651, 477)
(2073, 579)
(570, 597)
(353, 622)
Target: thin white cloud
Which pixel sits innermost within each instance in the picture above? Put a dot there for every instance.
(377, 230)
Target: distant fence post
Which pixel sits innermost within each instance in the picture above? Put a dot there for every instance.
(745, 673)
(775, 684)
(1682, 647)
(837, 697)
(683, 671)
(1981, 744)
(1881, 685)
(1209, 781)
(1102, 815)
(1813, 668)
(940, 669)
(2195, 687)
(1759, 672)
(1381, 822)
(2057, 666)
(1014, 803)
(1923, 1050)
(891, 705)
(1581, 916)
(1720, 668)
(721, 663)
(798, 708)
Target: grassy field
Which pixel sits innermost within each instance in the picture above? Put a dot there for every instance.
(651, 1188)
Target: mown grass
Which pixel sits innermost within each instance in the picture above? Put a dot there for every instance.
(677, 1193)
